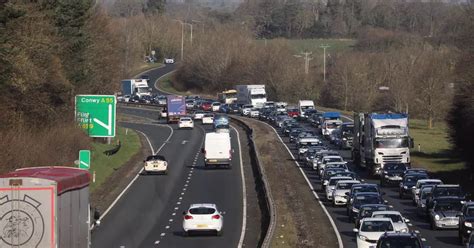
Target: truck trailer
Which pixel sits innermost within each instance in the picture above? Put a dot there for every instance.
(379, 139)
(45, 207)
(176, 108)
(253, 94)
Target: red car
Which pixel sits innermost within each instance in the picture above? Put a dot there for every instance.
(293, 112)
(206, 106)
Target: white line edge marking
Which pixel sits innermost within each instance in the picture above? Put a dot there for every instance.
(339, 239)
(158, 79)
(244, 193)
(138, 174)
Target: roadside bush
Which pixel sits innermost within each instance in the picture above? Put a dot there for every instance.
(41, 146)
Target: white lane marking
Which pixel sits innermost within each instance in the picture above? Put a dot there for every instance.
(244, 194)
(184, 142)
(176, 208)
(158, 79)
(163, 234)
(180, 198)
(170, 220)
(173, 214)
(157, 242)
(137, 175)
(182, 193)
(167, 227)
(339, 239)
(178, 203)
(184, 189)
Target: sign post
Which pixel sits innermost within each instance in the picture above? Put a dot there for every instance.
(96, 114)
(85, 159)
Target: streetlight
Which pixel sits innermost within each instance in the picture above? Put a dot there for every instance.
(306, 60)
(182, 37)
(324, 67)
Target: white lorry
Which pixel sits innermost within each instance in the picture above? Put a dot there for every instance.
(45, 207)
(253, 94)
(217, 149)
(379, 139)
(304, 105)
(137, 87)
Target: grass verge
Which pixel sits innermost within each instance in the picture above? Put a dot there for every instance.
(165, 84)
(104, 165)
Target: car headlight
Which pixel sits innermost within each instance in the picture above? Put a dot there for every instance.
(436, 217)
(385, 172)
(404, 230)
(355, 210)
(405, 187)
(468, 224)
(364, 238)
(423, 205)
(386, 176)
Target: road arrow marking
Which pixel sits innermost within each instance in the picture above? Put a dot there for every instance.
(109, 125)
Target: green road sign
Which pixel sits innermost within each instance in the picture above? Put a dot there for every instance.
(84, 159)
(96, 114)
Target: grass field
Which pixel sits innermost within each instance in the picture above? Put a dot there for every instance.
(166, 85)
(105, 165)
(435, 150)
(314, 45)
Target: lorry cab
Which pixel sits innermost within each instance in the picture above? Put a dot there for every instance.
(304, 105)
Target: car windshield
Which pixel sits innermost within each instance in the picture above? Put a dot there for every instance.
(394, 217)
(329, 160)
(344, 185)
(342, 166)
(376, 226)
(332, 125)
(425, 192)
(368, 199)
(395, 167)
(365, 189)
(448, 206)
(391, 143)
(202, 210)
(400, 242)
(455, 191)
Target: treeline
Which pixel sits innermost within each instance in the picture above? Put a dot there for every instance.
(343, 18)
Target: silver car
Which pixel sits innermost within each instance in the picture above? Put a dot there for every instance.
(445, 213)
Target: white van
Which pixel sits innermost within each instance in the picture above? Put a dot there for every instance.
(304, 105)
(217, 149)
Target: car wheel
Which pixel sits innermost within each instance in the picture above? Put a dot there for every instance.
(219, 233)
(186, 234)
(333, 204)
(433, 226)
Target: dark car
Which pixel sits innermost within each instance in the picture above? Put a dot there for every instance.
(366, 211)
(444, 190)
(362, 198)
(224, 108)
(466, 220)
(409, 180)
(288, 127)
(234, 108)
(416, 171)
(294, 132)
(400, 240)
(392, 173)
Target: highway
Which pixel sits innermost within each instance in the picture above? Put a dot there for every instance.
(441, 238)
(149, 214)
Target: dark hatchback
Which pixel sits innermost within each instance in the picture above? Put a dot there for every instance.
(466, 221)
(359, 199)
(400, 240)
(366, 211)
(409, 180)
(392, 174)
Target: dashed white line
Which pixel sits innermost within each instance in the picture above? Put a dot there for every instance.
(170, 220)
(173, 214)
(157, 242)
(167, 227)
(181, 198)
(163, 234)
(178, 203)
(176, 208)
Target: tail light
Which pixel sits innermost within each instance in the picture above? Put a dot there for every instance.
(188, 217)
(216, 217)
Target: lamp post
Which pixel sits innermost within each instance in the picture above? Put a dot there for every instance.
(307, 58)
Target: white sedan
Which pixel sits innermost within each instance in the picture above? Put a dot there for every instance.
(155, 164)
(208, 119)
(198, 115)
(370, 231)
(203, 217)
(185, 122)
(399, 222)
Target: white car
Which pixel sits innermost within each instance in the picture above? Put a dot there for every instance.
(202, 217)
(254, 113)
(215, 106)
(185, 122)
(198, 115)
(332, 185)
(415, 190)
(245, 110)
(169, 61)
(328, 159)
(208, 119)
(155, 164)
(398, 221)
(339, 197)
(163, 113)
(370, 231)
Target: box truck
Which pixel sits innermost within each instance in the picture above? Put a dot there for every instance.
(45, 207)
(217, 149)
(253, 94)
(380, 138)
(137, 87)
(175, 108)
